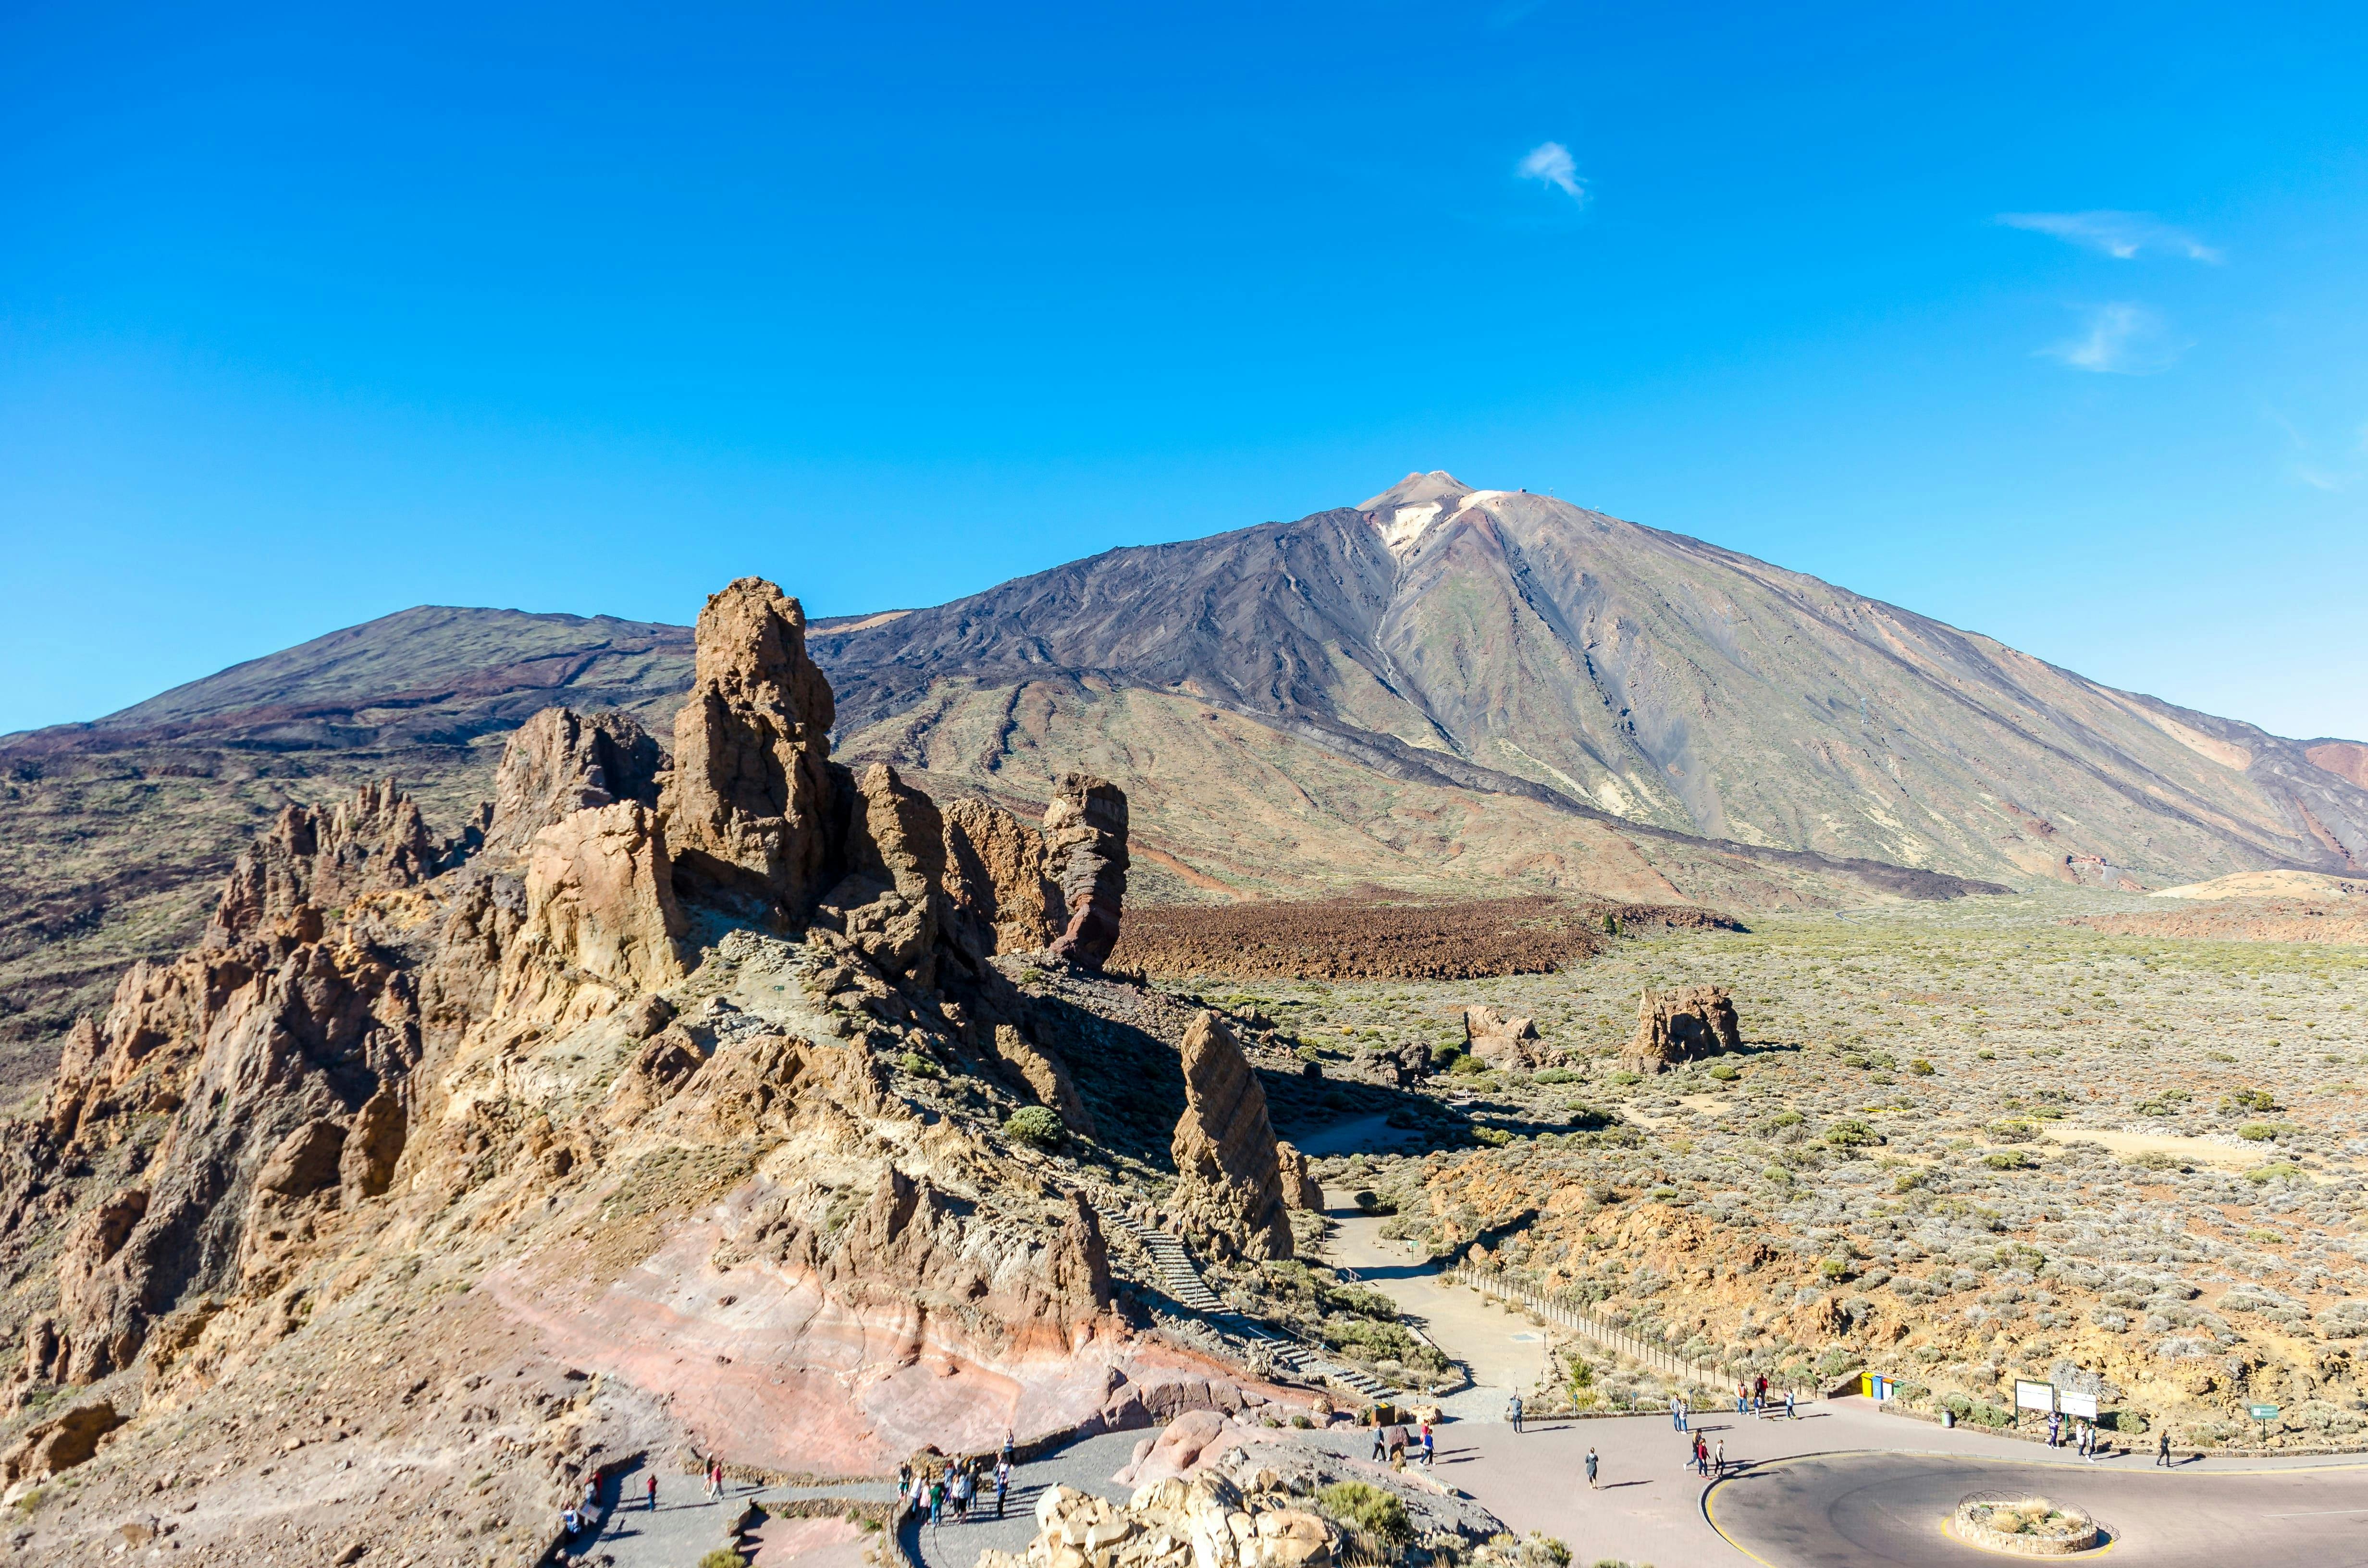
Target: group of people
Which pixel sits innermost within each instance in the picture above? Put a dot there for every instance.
(1708, 1458)
(1751, 1398)
(1390, 1443)
(956, 1488)
(2083, 1434)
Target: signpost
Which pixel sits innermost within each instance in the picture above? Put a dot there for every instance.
(2264, 1414)
(2081, 1404)
(2029, 1395)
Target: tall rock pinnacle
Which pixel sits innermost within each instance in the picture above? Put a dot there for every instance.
(747, 811)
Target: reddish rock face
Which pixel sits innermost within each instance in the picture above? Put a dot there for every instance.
(747, 808)
(1085, 836)
(1229, 1181)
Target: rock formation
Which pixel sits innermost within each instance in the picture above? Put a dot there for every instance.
(1500, 1040)
(531, 1077)
(747, 809)
(1085, 834)
(599, 893)
(1229, 1189)
(1300, 1188)
(1002, 889)
(1202, 1523)
(560, 762)
(1674, 1026)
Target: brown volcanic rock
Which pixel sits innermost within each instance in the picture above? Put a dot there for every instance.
(1508, 1042)
(1002, 886)
(1229, 1180)
(1300, 1188)
(560, 762)
(600, 892)
(747, 809)
(895, 855)
(1084, 835)
(1682, 1026)
(376, 839)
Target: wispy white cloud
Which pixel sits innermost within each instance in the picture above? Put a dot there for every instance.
(2119, 339)
(2124, 235)
(1551, 163)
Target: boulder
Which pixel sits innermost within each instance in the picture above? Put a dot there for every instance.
(1501, 1041)
(747, 808)
(599, 895)
(560, 762)
(1674, 1026)
(1229, 1177)
(1084, 835)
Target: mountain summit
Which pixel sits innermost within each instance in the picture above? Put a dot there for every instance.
(1513, 643)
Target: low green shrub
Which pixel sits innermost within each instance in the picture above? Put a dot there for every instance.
(1038, 1126)
(1366, 1507)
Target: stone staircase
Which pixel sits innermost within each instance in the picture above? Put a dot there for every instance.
(1189, 1291)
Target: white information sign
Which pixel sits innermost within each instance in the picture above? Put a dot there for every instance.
(2080, 1405)
(2029, 1395)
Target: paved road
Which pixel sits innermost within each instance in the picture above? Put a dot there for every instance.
(1086, 1465)
(1874, 1510)
(687, 1524)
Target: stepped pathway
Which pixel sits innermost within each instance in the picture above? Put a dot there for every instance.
(687, 1524)
(1189, 1291)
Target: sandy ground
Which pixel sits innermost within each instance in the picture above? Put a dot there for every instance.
(2196, 1151)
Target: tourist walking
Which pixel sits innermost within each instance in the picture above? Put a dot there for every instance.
(1429, 1451)
(1742, 1396)
(1513, 1412)
(1590, 1469)
(1380, 1440)
(1718, 1459)
(1701, 1455)
(1677, 1413)
(649, 1488)
(2162, 1448)
(1759, 1392)
(1788, 1406)
(1002, 1478)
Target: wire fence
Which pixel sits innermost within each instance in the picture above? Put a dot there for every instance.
(1555, 1309)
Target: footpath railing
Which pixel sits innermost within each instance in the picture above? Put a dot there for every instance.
(1556, 1310)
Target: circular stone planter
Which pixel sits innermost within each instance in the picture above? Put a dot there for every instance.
(2026, 1527)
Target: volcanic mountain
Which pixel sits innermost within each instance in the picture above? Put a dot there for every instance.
(1439, 689)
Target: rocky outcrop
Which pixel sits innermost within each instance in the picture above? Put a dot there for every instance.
(1229, 1187)
(895, 856)
(1201, 1523)
(560, 762)
(1500, 1040)
(323, 859)
(58, 1444)
(1044, 1073)
(747, 810)
(1300, 1188)
(1675, 1027)
(599, 893)
(1085, 836)
(1002, 887)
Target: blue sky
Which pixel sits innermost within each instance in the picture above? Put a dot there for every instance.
(2049, 322)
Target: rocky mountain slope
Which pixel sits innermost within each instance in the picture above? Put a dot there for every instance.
(666, 1108)
(1511, 643)
(1438, 690)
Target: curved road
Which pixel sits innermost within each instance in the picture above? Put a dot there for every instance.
(1873, 1510)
